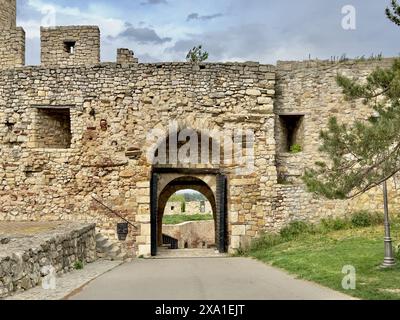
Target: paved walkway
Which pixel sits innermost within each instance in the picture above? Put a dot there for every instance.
(202, 279)
(164, 253)
(68, 283)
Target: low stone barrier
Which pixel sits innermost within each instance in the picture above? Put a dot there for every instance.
(192, 234)
(23, 258)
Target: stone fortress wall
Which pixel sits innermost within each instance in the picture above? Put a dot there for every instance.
(191, 208)
(308, 90)
(173, 208)
(68, 128)
(198, 207)
(57, 182)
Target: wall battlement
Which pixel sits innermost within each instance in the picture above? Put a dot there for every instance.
(8, 14)
(70, 46)
(287, 66)
(126, 56)
(12, 50)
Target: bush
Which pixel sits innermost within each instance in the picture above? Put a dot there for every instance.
(267, 240)
(397, 251)
(197, 55)
(336, 224)
(295, 229)
(78, 265)
(296, 148)
(363, 219)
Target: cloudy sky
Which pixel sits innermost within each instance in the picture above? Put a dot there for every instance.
(230, 30)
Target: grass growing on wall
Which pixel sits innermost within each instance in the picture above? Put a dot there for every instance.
(319, 252)
(180, 218)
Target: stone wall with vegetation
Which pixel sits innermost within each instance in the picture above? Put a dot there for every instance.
(22, 260)
(309, 89)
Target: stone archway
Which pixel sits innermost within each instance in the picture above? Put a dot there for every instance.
(183, 183)
(208, 182)
(172, 172)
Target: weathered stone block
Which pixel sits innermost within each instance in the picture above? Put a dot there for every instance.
(253, 92)
(144, 250)
(238, 230)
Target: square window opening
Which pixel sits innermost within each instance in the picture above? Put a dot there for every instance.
(69, 46)
(291, 133)
(53, 128)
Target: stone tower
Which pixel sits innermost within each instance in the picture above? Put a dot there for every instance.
(12, 38)
(8, 14)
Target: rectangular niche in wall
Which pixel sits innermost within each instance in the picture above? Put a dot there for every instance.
(69, 46)
(291, 131)
(52, 128)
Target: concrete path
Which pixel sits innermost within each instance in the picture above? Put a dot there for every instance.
(202, 279)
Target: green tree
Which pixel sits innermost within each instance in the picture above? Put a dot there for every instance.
(194, 196)
(197, 55)
(394, 13)
(366, 153)
(177, 198)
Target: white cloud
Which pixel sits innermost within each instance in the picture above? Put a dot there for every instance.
(255, 30)
(66, 15)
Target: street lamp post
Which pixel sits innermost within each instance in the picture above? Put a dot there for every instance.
(389, 260)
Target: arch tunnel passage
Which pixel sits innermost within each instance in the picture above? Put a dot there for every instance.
(183, 183)
(167, 181)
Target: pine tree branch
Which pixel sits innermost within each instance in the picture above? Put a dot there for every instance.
(394, 13)
(373, 185)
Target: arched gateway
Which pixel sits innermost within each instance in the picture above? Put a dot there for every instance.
(211, 183)
(189, 159)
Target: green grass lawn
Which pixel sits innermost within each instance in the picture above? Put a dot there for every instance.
(321, 257)
(176, 219)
